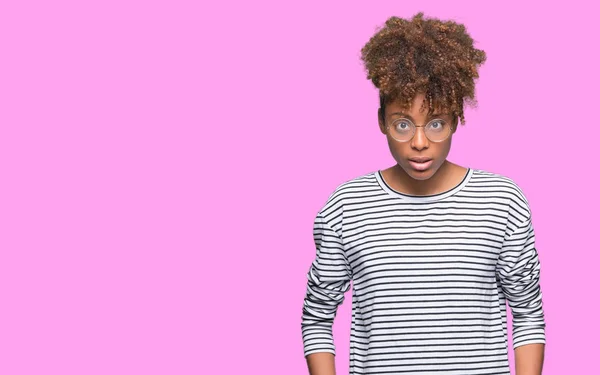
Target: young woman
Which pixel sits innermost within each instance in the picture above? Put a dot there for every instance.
(434, 250)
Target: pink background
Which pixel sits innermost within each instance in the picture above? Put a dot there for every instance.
(162, 163)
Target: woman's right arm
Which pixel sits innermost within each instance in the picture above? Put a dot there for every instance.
(329, 278)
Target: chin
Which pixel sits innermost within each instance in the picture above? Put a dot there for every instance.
(420, 175)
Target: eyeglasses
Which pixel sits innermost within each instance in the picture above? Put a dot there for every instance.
(403, 130)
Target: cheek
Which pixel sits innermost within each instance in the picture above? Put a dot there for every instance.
(444, 148)
(398, 150)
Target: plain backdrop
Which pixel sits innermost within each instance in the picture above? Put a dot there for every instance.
(162, 162)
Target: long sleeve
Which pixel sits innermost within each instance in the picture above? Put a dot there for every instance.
(328, 279)
(518, 270)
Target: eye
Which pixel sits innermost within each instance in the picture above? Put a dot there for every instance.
(402, 125)
(437, 124)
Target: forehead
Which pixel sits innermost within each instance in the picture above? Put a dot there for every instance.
(415, 112)
(418, 108)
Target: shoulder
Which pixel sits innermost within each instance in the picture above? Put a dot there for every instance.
(506, 187)
(500, 183)
(348, 189)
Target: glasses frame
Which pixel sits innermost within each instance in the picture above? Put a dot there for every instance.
(389, 124)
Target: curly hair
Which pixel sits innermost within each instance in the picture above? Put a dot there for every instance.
(426, 55)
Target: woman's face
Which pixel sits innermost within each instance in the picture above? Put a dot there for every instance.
(419, 146)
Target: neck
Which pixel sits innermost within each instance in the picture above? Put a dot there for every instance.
(434, 185)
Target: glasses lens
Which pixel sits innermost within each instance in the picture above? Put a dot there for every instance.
(402, 129)
(437, 130)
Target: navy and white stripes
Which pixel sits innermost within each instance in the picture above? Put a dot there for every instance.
(430, 276)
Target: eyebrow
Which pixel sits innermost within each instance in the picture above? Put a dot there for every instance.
(410, 117)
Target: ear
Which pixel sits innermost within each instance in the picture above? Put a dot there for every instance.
(380, 120)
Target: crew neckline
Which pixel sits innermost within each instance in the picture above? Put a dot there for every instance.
(423, 198)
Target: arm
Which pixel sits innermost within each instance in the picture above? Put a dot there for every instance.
(321, 363)
(328, 279)
(529, 359)
(518, 270)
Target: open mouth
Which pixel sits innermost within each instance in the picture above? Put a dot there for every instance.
(420, 164)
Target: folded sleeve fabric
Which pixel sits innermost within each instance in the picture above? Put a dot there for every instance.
(518, 270)
(329, 277)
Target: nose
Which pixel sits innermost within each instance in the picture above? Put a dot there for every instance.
(420, 140)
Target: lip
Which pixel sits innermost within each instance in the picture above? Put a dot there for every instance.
(421, 166)
(421, 159)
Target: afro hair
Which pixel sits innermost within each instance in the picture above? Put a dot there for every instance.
(426, 55)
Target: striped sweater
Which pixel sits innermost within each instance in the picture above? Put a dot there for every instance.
(430, 276)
